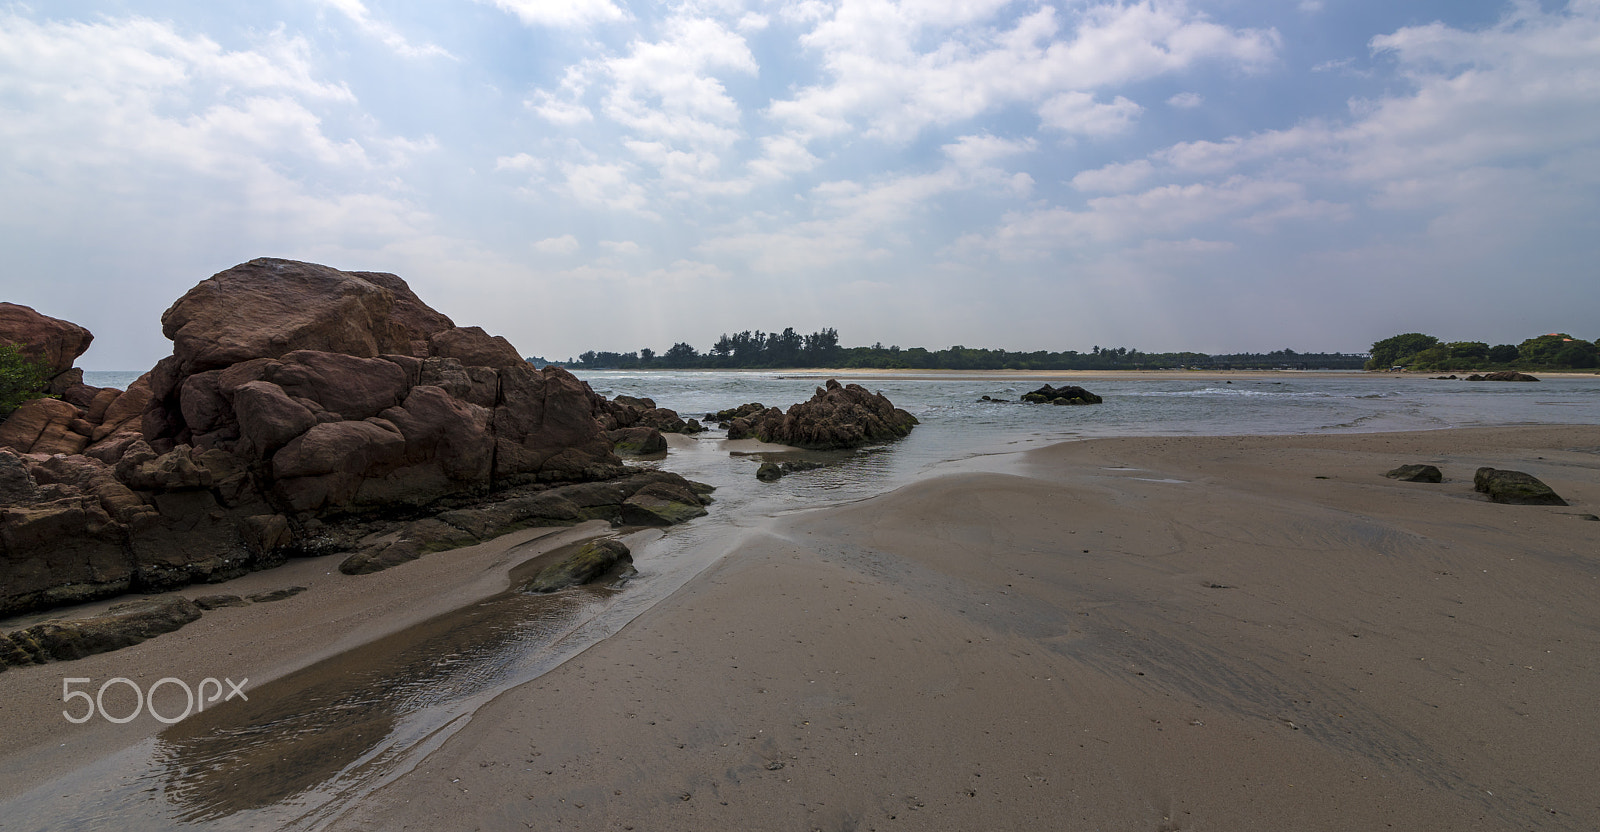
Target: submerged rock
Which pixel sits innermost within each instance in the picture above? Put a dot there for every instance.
(592, 560)
(1515, 488)
(1502, 375)
(1416, 473)
(774, 471)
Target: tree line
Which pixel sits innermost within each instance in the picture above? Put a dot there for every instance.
(821, 349)
(1416, 351)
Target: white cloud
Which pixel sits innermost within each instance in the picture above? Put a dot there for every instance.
(881, 76)
(1079, 113)
(140, 132)
(565, 113)
(668, 90)
(1125, 219)
(608, 187)
(563, 13)
(977, 152)
(521, 163)
(565, 244)
(1186, 100)
(357, 13)
(782, 157)
(685, 275)
(621, 248)
(1115, 178)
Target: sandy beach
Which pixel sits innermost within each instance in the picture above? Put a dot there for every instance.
(1230, 633)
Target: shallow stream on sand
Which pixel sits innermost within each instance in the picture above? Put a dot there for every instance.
(314, 742)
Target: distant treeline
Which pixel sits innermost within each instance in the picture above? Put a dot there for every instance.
(1416, 351)
(789, 349)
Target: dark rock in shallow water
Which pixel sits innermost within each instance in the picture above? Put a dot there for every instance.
(1068, 394)
(741, 412)
(774, 471)
(1416, 473)
(1515, 488)
(121, 626)
(838, 416)
(661, 504)
(1502, 375)
(592, 560)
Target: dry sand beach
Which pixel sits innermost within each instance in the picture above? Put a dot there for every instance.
(1231, 633)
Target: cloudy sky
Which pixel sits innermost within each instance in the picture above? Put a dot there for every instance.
(1214, 175)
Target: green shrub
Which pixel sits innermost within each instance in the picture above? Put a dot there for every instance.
(21, 378)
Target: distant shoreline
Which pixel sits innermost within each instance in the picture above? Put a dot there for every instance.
(869, 372)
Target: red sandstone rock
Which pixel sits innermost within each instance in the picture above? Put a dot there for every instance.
(56, 342)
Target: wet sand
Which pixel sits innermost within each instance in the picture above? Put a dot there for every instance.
(258, 642)
(1236, 633)
(1145, 634)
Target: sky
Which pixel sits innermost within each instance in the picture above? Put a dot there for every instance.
(1208, 175)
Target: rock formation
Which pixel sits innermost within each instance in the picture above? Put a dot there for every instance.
(1515, 488)
(1066, 394)
(301, 405)
(838, 416)
(634, 425)
(1502, 375)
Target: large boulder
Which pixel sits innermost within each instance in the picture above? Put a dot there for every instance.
(267, 308)
(54, 342)
(46, 426)
(1515, 488)
(838, 416)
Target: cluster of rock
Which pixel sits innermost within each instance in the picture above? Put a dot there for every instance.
(304, 410)
(1066, 394)
(1510, 487)
(837, 416)
(635, 425)
(1501, 375)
